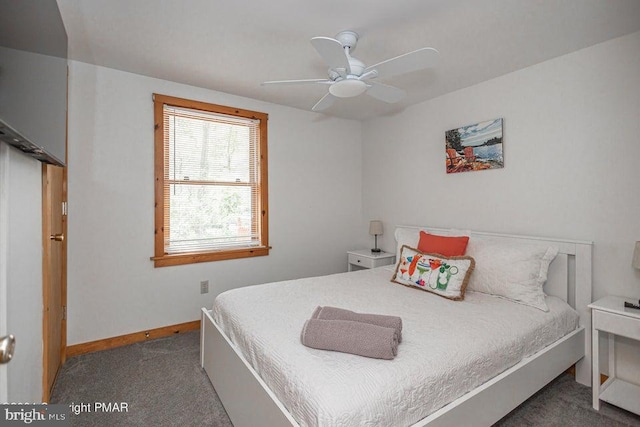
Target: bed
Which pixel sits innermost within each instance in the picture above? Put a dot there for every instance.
(251, 351)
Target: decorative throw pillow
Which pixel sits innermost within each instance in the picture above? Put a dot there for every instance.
(410, 236)
(444, 276)
(513, 271)
(443, 245)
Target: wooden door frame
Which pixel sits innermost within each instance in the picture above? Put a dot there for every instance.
(63, 338)
(46, 202)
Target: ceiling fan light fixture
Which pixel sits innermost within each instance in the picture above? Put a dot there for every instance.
(347, 88)
(349, 77)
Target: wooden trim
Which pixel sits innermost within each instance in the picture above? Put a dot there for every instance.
(205, 106)
(159, 174)
(46, 227)
(119, 341)
(195, 257)
(162, 259)
(65, 242)
(65, 228)
(264, 182)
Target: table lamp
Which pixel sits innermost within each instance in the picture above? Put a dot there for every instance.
(375, 229)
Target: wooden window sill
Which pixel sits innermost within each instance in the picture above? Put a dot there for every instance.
(194, 257)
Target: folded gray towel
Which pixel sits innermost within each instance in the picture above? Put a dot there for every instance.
(346, 336)
(334, 313)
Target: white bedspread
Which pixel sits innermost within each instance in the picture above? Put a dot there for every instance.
(448, 348)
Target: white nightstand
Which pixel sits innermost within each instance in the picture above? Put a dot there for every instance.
(610, 315)
(364, 258)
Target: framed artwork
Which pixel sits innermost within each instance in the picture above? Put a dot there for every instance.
(474, 147)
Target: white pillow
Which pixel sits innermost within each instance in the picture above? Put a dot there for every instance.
(406, 236)
(510, 270)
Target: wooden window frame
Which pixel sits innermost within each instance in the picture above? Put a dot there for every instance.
(162, 259)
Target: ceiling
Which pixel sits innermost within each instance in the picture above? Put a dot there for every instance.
(233, 46)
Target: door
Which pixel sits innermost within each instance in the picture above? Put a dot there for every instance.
(54, 274)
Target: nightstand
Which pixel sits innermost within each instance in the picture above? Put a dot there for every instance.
(364, 258)
(609, 315)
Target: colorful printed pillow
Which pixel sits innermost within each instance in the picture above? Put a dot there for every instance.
(443, 245)
(444, 276)
(513, 271)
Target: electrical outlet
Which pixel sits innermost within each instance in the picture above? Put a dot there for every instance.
(204, 287)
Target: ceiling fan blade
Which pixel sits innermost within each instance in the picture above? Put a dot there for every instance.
(385, 93)
(426, 57)
(332, 52)
(295, 82)
(324, 103)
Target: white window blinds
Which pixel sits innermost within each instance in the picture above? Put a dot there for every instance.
(212, 181)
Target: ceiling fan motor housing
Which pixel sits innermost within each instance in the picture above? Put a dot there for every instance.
(356, 68)
(348, 39)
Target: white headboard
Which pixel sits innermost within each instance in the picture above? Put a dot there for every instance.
(569, 274)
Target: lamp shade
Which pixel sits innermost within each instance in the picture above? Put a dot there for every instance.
(375, 228)
(636, 256)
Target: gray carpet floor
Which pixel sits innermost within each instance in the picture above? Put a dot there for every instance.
(163, 385)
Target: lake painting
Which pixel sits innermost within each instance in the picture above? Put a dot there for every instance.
(474, 147)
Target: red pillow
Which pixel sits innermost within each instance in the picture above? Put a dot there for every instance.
(443, 245)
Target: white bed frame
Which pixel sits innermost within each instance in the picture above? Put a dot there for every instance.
(249, 401)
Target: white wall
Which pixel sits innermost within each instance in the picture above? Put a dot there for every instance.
(21, 254)
(113, 289)
(571, 150)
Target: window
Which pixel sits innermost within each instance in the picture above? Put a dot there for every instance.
(210, 182)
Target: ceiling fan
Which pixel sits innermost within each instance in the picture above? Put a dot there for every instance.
(349, 77)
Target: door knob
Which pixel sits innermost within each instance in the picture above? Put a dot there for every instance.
(7, 345)
(57, 237)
